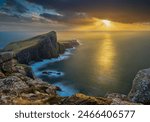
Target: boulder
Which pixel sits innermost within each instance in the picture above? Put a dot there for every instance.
(7, 61)
(6, 56)
(12, 83)
(23, 69)
(7, 66)
(140, 91)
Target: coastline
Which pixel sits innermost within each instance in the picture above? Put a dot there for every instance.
(54, 73)
(19, 85)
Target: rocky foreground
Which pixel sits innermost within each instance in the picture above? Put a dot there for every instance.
(19, 86)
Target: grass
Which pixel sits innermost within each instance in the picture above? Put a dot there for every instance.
(21, 45)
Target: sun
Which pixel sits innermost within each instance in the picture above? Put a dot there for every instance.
(107, 23)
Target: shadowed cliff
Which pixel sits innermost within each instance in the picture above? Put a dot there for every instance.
(40, 47)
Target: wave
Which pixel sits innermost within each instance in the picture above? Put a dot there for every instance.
(55, 73)
(50, 73)
(66, 90)
(66, 55)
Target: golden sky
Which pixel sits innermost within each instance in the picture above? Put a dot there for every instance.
(108, 25)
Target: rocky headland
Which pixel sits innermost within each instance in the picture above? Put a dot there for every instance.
(19, 86)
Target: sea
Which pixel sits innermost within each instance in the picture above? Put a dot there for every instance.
(105, 62)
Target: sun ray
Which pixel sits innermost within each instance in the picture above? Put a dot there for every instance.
(107, 23)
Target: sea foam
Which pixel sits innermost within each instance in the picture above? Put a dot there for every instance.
(66, 55)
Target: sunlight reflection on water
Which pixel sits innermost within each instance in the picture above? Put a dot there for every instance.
(106, 60)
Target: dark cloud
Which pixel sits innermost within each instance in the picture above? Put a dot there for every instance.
(127, 11)
(13, 6)
(76, 18)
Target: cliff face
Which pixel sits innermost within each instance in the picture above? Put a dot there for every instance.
(40, 47)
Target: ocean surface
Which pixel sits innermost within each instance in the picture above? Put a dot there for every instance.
(105, 62)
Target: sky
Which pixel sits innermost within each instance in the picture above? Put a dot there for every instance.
(75, 15)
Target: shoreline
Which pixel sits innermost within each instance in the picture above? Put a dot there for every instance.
(18, 84)
(54, 73)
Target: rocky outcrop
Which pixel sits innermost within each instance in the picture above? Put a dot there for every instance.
(18, 84)
(81, 99)
(19, 89)
(140, 91)
(6, 56)
(9, 65)
(40, 47)
(119, 99)
(70, 44)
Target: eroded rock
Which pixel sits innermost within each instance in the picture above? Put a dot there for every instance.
(81, 99)
(140, 91)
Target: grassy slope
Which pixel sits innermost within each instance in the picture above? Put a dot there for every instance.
(20, 45)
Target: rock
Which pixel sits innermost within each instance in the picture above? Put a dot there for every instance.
(45, 72)
(58, 73)
(6, 56)
(117, 95)
(7, 61)
(61, 48)
(70, 44)
(118, 101)
(29, 96)
(20, 89)
(12, 83)
(140, 91)
(1, 75)
(58, 88)
(8, 66)
(24, 69)
(81, 99)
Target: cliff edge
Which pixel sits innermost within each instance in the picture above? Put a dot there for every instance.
(40, 47)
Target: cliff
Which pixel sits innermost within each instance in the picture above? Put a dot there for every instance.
(40, 47)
